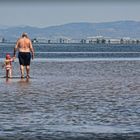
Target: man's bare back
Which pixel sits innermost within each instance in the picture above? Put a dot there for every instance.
(24, 45)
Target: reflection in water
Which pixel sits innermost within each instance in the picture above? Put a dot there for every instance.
(8, 80)
(24, 82)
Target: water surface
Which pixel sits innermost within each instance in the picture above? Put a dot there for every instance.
(72, 100)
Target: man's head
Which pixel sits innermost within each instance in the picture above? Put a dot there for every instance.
(24, 34)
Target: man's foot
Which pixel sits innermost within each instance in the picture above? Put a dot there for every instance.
(22, 76)
(28, 76)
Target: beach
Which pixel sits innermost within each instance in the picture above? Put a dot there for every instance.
(72, 100)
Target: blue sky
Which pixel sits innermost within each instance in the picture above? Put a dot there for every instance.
(44, 14)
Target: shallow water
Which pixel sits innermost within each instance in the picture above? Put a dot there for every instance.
(72, 99)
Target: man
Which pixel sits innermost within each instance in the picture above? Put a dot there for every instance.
(26, 51)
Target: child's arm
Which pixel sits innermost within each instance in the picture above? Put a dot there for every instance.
(13, 59)
(3, 65)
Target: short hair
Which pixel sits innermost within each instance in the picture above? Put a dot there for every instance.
(24, 34)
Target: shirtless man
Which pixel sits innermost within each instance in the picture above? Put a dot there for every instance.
(26, 51)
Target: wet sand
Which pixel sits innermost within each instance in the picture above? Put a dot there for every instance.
(72, 100)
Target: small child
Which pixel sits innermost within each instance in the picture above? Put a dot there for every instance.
(8, 65)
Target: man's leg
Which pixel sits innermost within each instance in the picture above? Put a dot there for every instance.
(28, 71)
(22, 71)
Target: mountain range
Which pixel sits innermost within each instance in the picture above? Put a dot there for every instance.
(76, 30)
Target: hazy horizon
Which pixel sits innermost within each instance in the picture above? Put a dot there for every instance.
(44, 14)
(7, 26)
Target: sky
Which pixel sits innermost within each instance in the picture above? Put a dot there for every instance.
(43, 13)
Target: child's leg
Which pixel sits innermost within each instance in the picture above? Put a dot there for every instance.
(7, 73)
(10, 73)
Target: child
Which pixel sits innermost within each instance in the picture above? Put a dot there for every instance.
(8, 65)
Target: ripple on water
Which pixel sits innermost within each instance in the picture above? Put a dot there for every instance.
(72, 99)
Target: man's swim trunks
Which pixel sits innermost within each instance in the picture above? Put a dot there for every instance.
(24, 58)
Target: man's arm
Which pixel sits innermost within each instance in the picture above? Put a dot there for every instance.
(15, 49)
(32, 49)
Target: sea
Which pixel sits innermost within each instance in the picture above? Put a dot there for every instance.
(76, 92)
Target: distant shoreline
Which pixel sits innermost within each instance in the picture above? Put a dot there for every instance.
(42, 43)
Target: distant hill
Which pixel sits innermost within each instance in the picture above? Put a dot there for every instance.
(76, 30)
